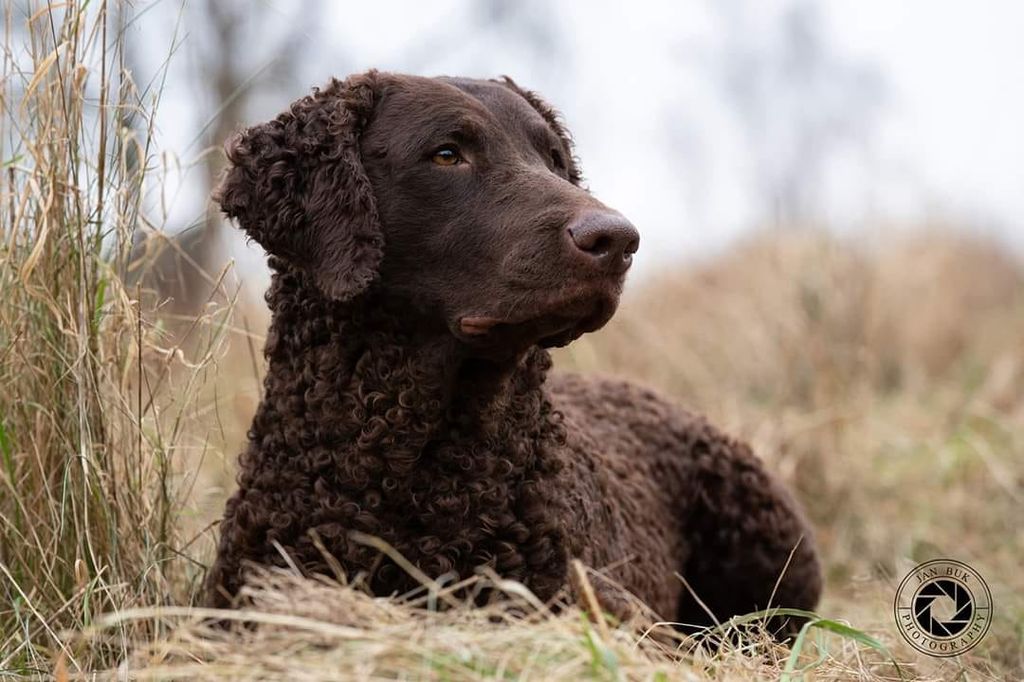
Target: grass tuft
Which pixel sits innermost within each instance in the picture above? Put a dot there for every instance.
(89, 494)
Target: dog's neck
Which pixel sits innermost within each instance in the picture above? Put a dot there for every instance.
(391, 393)
(398, 433)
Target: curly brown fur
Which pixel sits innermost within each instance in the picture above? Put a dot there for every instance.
(408, 396)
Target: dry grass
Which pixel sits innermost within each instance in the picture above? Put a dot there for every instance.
(300, 629)
(884, 381)
(90, 496)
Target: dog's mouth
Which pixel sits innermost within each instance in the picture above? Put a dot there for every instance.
(559, 319)
(549, 332)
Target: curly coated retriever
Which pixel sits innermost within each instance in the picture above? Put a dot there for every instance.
(430, 240)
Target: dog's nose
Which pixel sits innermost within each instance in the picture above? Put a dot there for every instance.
(607, 239)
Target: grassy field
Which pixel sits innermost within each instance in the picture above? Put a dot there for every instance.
(883, 379)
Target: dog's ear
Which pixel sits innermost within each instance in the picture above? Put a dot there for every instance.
(297, 187)
(554, 120)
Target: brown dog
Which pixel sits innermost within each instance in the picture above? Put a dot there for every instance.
(430, 239)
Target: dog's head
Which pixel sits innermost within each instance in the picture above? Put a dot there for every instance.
(460, 197)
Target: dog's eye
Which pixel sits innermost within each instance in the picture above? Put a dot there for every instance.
(557, 160)
(447, 156)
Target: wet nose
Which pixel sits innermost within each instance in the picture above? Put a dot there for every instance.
(606, 239)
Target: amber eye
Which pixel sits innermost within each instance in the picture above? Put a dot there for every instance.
(447, 156)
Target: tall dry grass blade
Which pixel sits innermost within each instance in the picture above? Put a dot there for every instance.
(88, 485)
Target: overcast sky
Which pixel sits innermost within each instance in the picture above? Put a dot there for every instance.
(703, 120)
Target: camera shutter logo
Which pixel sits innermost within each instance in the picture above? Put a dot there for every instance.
(943, 608)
